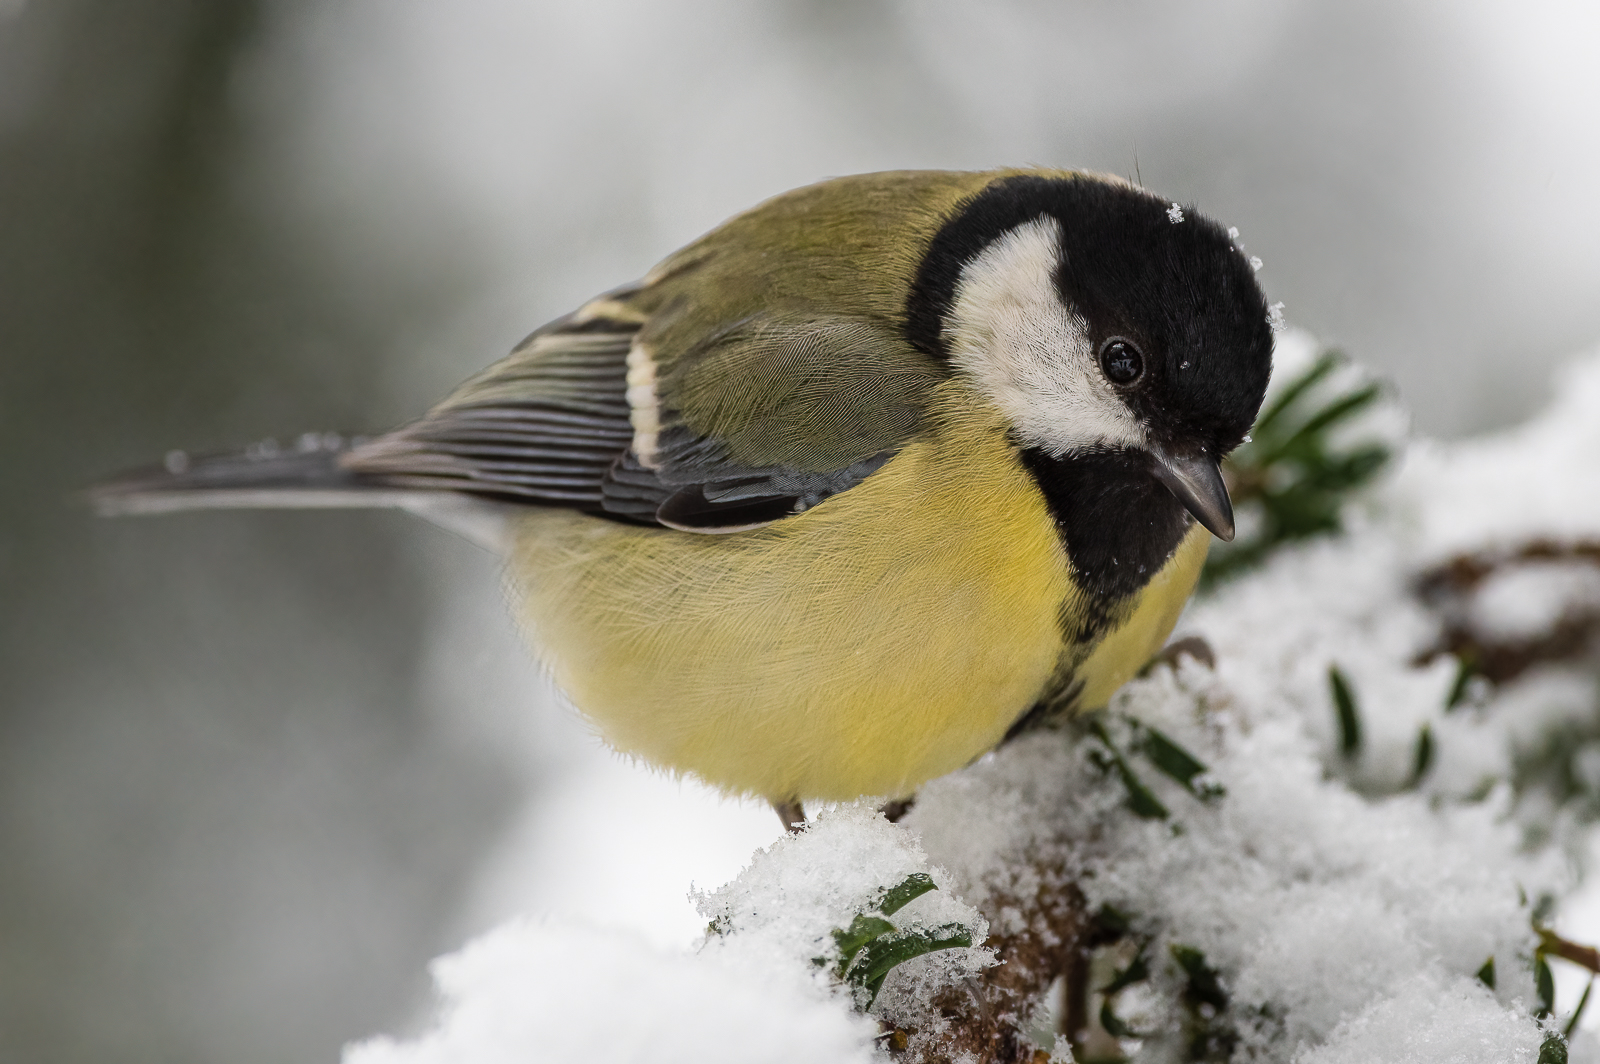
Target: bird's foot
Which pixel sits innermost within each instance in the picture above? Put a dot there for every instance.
(1190, 646)
(792, 813)
(896, 808)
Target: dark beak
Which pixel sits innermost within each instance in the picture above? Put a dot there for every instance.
(1197, 482)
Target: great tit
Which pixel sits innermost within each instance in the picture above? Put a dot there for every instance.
(850, 489)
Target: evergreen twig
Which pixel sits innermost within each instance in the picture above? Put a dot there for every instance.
(1291, 480)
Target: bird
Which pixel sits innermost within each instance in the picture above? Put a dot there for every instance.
(849, 491)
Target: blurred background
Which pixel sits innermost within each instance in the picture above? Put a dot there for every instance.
(256, 769)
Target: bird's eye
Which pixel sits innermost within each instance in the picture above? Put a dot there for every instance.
(1121, 361)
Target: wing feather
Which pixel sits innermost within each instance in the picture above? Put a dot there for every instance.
(542, 426)
(763, 418)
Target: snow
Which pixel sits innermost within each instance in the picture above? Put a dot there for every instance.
(1316, 902)
(1517, 602)
(1456, 1022)
(548, 990)
(793, 894)
(1345, 899)
(660, 836)
(1535, 481)
(555, 990)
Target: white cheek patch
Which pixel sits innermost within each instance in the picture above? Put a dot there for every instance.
(1014, 340)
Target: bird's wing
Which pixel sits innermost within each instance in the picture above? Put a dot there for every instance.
(761, 418)
(543, 425)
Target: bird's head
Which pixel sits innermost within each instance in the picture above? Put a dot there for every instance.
(1102, 321)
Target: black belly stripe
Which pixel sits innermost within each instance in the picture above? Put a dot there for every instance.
(1118, 524)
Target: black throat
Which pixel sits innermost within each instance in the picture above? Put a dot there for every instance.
(1118, 524)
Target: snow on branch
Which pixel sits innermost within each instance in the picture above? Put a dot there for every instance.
(1337, 828)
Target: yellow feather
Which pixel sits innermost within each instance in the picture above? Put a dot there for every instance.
(885, 637)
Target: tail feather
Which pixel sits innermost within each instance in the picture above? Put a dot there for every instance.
(310, 475)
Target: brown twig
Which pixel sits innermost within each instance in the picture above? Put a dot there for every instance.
(986, 1019)
(1449, 588)
(1583, 956)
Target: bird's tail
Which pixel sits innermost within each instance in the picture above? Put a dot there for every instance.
(308, 475)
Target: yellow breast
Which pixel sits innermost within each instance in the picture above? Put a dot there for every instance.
(885, 637)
